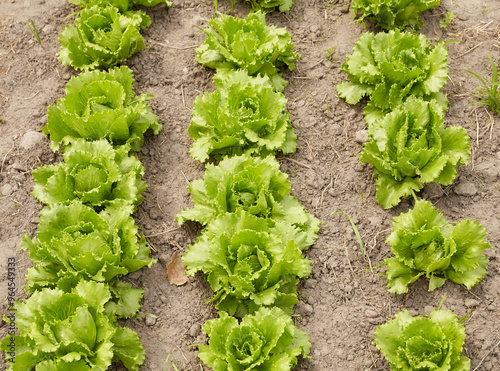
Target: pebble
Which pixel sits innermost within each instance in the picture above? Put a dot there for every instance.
(18, 166)
(434, 190)
(305, 309)
(7, 189)
(31, 139)
(195, 330)
(466, 189)
(310, 283)
(469, 303)
(150, 321)
(371, 313)
(361, 136)
(489, 171)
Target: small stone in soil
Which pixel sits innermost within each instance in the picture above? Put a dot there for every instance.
(361, 136)
(150, 321)
(466, 189)
(7, 189)
(195, 330)
(304, 309)
(469, 303)
(31, 139)
(371, 313)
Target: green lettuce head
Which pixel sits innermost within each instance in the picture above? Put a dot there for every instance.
(266, 340)
(93, 172)
(102, 37)
(389, 67)
(420, 343)
(101, 105)
(271, 5)
(253, 184)
(424, 243)
(244, 115)
(410, 147)
(63, 331)
(393, 14)
(74, 242)
(122, 5)
(249, 263)
(247, 44)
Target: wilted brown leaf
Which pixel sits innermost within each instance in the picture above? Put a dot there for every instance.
(176, 271)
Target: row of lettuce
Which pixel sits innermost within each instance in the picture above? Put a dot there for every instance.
(87, 239)
(401, 76)
(250, 249)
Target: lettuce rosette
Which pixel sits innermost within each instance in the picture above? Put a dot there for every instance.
(421, 343)
(253, 184)
(94, 173)
(122, 5)
(266, 340)
(247, 44)
(393, 14)
(63, 331)
(75, 242)
(424, 243)
(249, 263)
(271, 5)
(410, 147)
(102, 37)
(244, 115)
(101, 105)
(389, 67)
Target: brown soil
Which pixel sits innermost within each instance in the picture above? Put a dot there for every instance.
(342, 303)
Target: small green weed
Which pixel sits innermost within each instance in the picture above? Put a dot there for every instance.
(489, 93)
(448, 18)
(34, 31)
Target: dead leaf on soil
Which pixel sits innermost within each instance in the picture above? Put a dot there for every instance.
(176, 271)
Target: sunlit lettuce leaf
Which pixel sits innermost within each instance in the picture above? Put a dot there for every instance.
(271, 5)
(421, 343)
(71, 331)
(75, 242)
(266, 340)
(244, 115)
(101, 105)
(93, 172)
(389, 67)
(253, 184)
(393, 14)
(410, 147)
(247, 44)
(249, 263)
(424, 242)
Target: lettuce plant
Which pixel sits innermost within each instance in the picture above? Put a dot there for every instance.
(101, 105)
(271, 5)
(389, 67)
(93, 172)
(244, 115)
(253, 184)
(410, 147)
(249, 263)
(421, 343)
(424, 243)
(122, 5)
(247, 44)
(266, 340)
(102, 37)
(393, 14)
(70, 331)
(75, 242)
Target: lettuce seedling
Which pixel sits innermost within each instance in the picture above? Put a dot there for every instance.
(253, 184)
(122, 5)
(424, 243)
(249, 263)
(244, 115)
(101, 105)
(94, 173)
(389, 67)
(102, 37)
(71, 331)
(266, 340)
(421, 343)
(410, 147)
(247, 44)
(75, 242)
(393, 14)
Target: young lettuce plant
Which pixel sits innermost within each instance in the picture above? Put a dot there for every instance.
(266, 340)
(74, 242)
(122, 5)
(244, 115)
(410, 147)
(249, 263)
(93, 172)
(253, 184)
(424, 243)
(389, 67)
(247, 44)
(102, 37)
(271, 5)
(71, 331)
(431, 343)
(393, 14)
(101, 105)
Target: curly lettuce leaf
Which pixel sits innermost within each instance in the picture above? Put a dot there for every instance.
(101, 105)
(244, 115)
(247, 44)
(122, 5)
(271, 5)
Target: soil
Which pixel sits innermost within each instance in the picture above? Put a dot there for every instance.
(343, 301)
